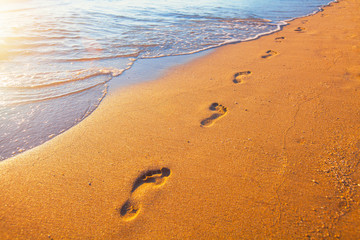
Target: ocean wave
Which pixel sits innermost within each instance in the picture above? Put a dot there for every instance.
(64, 53)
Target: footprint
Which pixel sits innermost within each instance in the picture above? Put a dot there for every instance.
(131, 208)
(240, 75)
(300, 29)
(157, 177)
(220, 112)
(269, 53)
(279, 39)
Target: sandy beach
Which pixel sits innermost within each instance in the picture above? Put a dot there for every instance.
(256, 140)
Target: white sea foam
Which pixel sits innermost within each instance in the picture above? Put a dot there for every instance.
(56, 57)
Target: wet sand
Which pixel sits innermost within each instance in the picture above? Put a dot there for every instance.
(256, 140)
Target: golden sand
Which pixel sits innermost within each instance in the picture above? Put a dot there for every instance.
(259, 139)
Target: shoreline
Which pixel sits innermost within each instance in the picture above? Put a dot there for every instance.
(164, 63)
(257, 139)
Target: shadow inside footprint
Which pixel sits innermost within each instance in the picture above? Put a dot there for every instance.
(132, 206)
(151, 176)
(238, 76)
(278, 39)
(299, 29)
(213, 106)
(269, 53)
(220, 112)
(129, 210)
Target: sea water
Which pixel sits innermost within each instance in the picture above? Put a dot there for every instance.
(57, 57)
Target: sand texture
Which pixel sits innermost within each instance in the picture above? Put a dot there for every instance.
(259, 139)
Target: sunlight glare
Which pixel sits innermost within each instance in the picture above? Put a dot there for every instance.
(6, 6)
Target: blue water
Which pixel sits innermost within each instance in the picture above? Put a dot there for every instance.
(57, 57)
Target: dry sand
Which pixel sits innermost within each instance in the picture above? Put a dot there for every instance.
(256, 140)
